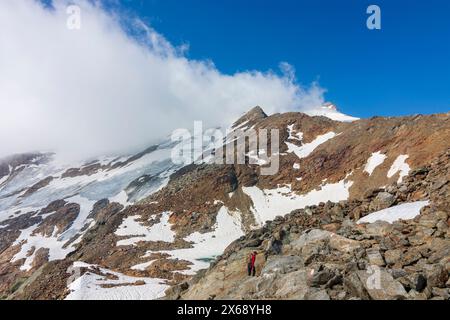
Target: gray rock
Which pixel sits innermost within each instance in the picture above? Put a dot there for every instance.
(320, 277)
(378, 228)
(428, 221)
(382, 201)
(397, 273)
(252, 243)
(393, 256)
(318, 295)
(375, 258)
(442, 226)
(282, 264)
(410, 256)
(436, 275)
(441, 250)
(292, 286)
(354, 286)
(439, 183)
(381, 285)
(441, 292)
(414, 295)
(415, 281)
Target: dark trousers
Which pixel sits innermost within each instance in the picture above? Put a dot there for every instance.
(251, 270)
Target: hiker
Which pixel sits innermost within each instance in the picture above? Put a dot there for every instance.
(251, 264)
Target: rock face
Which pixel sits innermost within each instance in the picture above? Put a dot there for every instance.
(311, 246)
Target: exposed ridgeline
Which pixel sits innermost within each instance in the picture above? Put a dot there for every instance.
(134, 226)
(320, 252)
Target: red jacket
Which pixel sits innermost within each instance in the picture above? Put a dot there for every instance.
(252, 259)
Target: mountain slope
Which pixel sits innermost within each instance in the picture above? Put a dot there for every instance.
(323, 252)
(142, 224)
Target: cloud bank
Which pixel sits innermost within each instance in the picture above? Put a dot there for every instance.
(99, 90)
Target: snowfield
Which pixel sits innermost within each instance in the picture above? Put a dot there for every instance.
(206, 246)
(137, 232)
(31, 243)
(406, 211)
(268, 204)
(91, 286)
(84, 190)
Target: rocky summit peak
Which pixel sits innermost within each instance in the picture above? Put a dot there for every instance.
(254, 115)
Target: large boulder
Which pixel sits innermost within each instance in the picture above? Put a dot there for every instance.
(380, 285)
(292, 286)
(436, 275)
(282, 264)
(354, 286)
(315, 239)
(393, 256)
(375, 258)
(382, 201)
(378, 228)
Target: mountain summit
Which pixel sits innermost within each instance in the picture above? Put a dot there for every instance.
(331, 111)
(254, 115)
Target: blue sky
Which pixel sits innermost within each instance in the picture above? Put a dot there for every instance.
(402, 69)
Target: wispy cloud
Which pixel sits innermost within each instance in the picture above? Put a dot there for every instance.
(100, 90)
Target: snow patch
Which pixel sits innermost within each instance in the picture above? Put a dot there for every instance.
(375, 160)
(137, 232)
(55, 243)
(206, 246)
(293, 134)
(91, 286)
(121, 198)
(405, 211)
(306, 149)
(401, 166)
(268, 204)
(30, 242)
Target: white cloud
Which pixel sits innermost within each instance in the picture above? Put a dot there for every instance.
(98, 90)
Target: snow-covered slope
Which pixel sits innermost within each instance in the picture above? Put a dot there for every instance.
(118, 179)
(329, 110)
